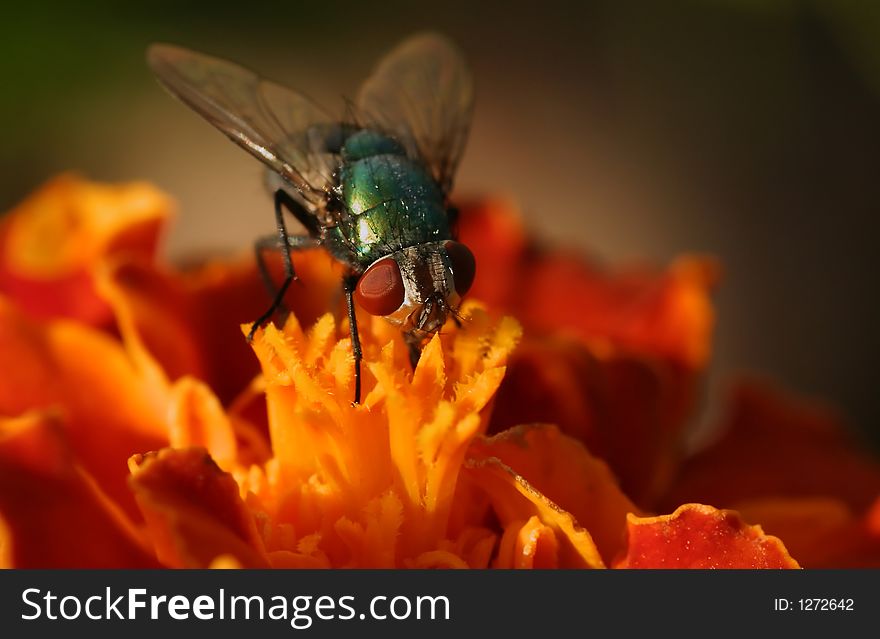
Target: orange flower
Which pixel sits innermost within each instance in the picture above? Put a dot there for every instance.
(366, 486)
(133, 406)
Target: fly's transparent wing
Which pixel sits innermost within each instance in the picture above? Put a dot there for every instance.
(280, 127)
(422, 93)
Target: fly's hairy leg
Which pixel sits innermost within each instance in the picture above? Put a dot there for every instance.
(348, 284)
(285, 243)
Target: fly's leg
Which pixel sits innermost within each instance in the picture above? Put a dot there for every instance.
(270, 242)
(348, 284)
(415, 352)
(263, 244)
(285, 243)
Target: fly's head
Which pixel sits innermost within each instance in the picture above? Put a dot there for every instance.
(419, 287)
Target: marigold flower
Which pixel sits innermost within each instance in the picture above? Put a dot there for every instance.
(133, 405)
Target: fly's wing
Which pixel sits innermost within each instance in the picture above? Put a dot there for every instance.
(422, 93)
(280, 127)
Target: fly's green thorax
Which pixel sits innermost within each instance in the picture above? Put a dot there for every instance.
(390, 201)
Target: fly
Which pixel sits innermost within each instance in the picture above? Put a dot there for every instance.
(372, 190)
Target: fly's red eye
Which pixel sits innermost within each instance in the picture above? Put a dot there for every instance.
(464, 266)
(380, 290)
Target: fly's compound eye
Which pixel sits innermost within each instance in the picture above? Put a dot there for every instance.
(380, 289)
(464, 266)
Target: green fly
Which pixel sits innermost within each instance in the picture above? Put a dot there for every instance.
(372, 189)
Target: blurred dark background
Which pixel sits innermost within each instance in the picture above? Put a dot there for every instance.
(749, 129)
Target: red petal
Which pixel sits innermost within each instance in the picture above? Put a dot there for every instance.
(697, 536)
(193, 510)
(55, 513)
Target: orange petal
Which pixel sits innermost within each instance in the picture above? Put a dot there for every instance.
(697, 536)
(197, 420)
(778, 445)
(248, 413)
(110, 411)
(193, 510)
(563, 471)
(515, 501)
(627, 409)
(51, 243)
(55, 514)
(528, 545)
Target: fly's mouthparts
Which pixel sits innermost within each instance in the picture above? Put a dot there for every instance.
(433, 314)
